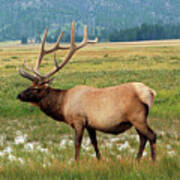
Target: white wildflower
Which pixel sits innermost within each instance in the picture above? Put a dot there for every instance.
(115, 139)
(29, 146)
(63, 143)
(8, 150)
(124, 146)
(171, 153)
(168, 146)
(45, 150)
(12, 157)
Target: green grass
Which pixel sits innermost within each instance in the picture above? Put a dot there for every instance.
(156, 64)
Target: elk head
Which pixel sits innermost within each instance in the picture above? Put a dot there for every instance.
(40, 83)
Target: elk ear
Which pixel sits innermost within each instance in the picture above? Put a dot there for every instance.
(50, 80)
(47, 82)
(35, 83)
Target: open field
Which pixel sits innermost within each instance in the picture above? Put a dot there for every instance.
(33, 146)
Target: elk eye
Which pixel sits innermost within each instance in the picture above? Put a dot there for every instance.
(37, 90)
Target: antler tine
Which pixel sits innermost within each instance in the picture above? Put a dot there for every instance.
(85, 39)
(24, 74)
(27, 75)
(57, 46)
(73, 35)
(55, 61)
(85, 33)
(42, 51)
(44, 39)
(58, 40)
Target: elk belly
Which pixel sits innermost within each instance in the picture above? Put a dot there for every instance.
(106, 118)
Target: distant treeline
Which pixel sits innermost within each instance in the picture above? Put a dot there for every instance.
(146, 32)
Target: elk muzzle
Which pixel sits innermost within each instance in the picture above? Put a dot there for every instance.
(25, 95)
(20, 97)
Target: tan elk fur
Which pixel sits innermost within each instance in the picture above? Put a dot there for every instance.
(105, 109)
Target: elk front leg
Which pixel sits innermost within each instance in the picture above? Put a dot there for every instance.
(78, 139)
(92, 135)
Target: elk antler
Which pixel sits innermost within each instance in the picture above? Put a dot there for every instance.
(72, 49)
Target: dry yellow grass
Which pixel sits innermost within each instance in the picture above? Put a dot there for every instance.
(17, 53)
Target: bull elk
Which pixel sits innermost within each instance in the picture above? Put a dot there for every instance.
(110, 110)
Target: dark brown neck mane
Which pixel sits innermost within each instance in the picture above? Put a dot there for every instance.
(52, 104)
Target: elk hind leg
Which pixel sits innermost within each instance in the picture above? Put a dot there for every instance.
(143, 140)
(148, 133)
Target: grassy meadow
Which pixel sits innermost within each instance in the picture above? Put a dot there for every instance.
(33, 146)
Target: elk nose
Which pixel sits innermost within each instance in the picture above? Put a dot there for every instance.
(18, 96)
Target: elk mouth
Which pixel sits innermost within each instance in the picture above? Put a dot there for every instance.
(20, 97)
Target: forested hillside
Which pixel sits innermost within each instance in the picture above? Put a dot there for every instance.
(19, 18)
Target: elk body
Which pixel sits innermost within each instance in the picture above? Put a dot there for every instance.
(111, 110)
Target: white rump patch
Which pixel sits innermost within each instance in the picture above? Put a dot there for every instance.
(145, 93)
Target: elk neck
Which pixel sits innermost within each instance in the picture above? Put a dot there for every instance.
(52, 104)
